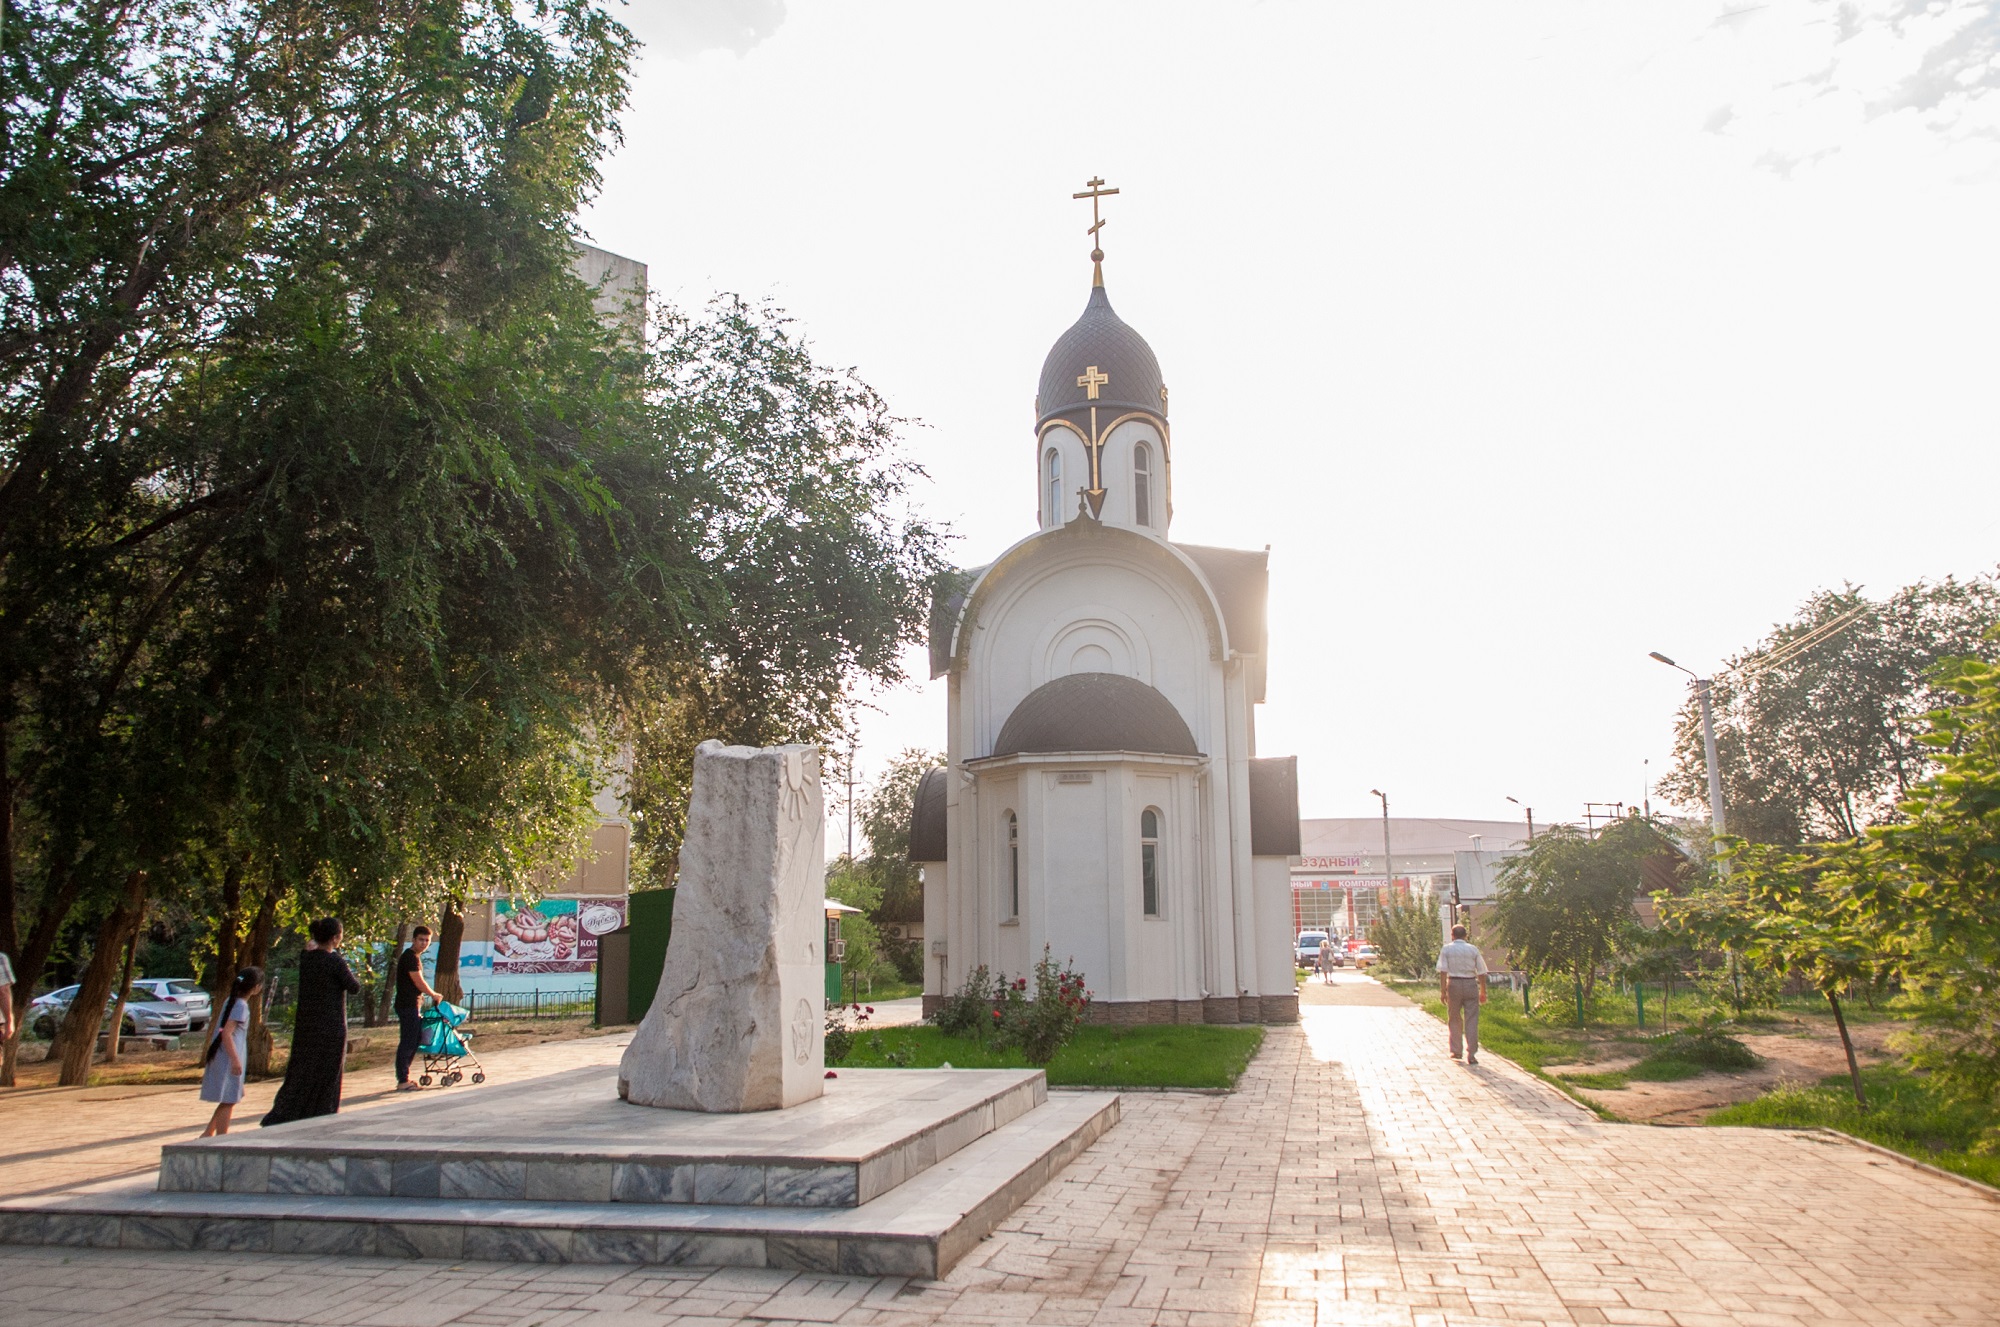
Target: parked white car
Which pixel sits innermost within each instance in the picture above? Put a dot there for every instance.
(143, 1017)
(180, 991)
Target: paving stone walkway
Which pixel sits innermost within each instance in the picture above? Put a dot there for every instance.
(1358, 1177)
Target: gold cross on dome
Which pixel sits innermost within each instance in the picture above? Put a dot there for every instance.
(1090, 380)
(1094, 191)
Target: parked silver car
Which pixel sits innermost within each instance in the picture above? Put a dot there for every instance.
(143, 1018)
(180, 991)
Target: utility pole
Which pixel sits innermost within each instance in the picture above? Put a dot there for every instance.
(1388, 862)
(1717, 815)
(851, 743)
(1531, 817)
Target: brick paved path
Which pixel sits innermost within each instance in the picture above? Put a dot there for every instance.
(1359, 1176)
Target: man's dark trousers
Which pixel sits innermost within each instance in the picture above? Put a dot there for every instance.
(406, 1048)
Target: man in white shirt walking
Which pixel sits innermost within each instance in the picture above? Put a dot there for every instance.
(1462, 987)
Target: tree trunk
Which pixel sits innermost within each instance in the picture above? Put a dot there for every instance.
(59, 898)
(10, 927)
(386, 999)
(257, 1037)
(116, 1032)
(451, 935)
(86, 1011)
(1847, 1044)
(228, 938)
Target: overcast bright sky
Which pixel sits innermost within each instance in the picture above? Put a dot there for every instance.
(1531, 337)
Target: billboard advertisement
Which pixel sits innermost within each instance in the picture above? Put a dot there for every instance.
(551, 934)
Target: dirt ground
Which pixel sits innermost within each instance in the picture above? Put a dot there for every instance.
(1802, 1049)
(370, 1047)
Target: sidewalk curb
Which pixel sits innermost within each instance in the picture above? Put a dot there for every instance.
(1980, 1187)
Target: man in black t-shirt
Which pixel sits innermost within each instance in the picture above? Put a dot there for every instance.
(411, 987)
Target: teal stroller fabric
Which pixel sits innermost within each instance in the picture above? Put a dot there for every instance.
(441, 1030)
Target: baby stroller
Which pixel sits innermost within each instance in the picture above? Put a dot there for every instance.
(447, 1045)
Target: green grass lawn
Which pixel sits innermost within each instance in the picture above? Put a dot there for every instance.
(1185, 1055)
(885, 989)
(1904, 1114)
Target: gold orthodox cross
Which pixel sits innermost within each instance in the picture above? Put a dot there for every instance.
(1090, 380)
(1095, 191)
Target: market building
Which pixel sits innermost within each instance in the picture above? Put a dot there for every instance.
(1340, 881)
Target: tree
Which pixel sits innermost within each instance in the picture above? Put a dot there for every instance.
(340, 541)
(1408, 935)
(1826, 740)
(1562, 905)
(1912, 898)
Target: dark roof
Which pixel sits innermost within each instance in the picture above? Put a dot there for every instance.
(948, 596)
(1241, 580)
(1100, 339)
(1095, 712)
(927, 818)
(1274, 807)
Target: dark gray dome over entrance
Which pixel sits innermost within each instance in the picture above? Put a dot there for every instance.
(1095, 712)
(1100, 340)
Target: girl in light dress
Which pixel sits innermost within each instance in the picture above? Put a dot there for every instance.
(222, 1079)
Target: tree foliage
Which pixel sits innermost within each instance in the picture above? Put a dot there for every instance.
(1408, 934)
(1912, 898)
(343, 546)
(1828, 740)
(1563, 905)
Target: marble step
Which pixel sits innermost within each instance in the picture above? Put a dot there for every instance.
(568, 1138)
(919, 1229)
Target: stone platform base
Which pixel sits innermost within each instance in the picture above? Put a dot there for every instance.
(319, 1190)
(568, 1138)
(1215, 1009)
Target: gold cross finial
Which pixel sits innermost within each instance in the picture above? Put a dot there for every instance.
(1093, 192)
(1090, 380)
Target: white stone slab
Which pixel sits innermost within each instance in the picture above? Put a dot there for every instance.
(738, 1022)
(920, 1229)
(566, 1137)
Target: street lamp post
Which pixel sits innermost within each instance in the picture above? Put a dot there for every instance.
(1531, 817)
(1717, 815)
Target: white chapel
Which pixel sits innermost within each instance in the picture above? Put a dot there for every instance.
(1102, 793)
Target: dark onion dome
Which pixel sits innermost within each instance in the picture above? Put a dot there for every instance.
(1095, 712)
(1100, 340)
(927, 817)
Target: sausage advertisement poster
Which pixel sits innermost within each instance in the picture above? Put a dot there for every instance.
(551, 934)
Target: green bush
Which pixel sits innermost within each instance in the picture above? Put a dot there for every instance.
(995, 1011)
(1705, 1046)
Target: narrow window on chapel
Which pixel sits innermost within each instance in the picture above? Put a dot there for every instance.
(1142, 483)
(1053, 465)
(1013, 865)
(1149, 860)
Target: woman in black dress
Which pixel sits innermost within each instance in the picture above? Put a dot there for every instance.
(319, 1030)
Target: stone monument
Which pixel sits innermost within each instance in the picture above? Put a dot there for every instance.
(737, 1023)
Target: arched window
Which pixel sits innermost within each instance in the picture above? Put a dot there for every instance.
(1013, 865)
(1052, 503)
(1142, 483)
(1149, 860)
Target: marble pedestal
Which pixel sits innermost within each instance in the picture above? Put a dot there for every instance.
(890, 1172)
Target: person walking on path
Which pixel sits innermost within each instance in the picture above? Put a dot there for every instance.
(222, 1078)
(1325, 963)
(1462, 987)
(319, 1030)
(411, 988)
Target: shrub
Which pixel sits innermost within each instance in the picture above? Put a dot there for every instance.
(1056, 1012)
(906, 957)
(993, 1010)
(969, 1012)
(1705, 1045)
(839, 1036)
